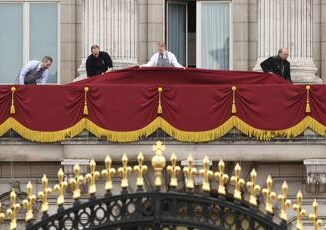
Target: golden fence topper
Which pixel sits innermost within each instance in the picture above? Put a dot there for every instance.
(124, 171)
(76, 182)
(29, 202)
(158, 163)
(108, 173)
(269, 195)
(92, 177)
(140, 170)
(221, 177)
(61, 187)
(301, 213)
(253, 188)
(285, 202)
(13, 210)
(43, 195)
(189, 172)
(237, 182)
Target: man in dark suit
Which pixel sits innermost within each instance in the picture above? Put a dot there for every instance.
(278, 64)
(98, 62)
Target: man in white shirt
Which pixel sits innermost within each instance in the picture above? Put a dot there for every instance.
(163, 58)
(35, 71)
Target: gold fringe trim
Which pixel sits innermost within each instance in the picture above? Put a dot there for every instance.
(12, 107)
(180, 135)
(86, 89)
(234, 108)
(308, 110)
(159, 107)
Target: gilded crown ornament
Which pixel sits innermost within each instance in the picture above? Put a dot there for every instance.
(285, 202)
(124, 172)
(221, 177)
(108, 173)
(173, 170)
(13, 210)
(76, 182)
(317, 223)
(140, 170)
(29, 202)
(189, 172)
(43, 195)
(206, 174)
(301, 213)
(237, 182)
(253, 188)
(158, 163)
(92, 177)
(269, 195)
(60, 188)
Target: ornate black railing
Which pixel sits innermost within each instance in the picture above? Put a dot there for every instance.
(159, 210)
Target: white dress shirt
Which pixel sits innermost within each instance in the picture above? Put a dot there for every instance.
(30, 66)
(172, 59)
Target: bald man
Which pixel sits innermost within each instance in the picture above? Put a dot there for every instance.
(278, 64)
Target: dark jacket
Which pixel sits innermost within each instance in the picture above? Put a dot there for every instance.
(96, 66)
(276, 65)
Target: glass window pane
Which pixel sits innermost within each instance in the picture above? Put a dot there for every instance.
(44, 34)
(177, 30)
(11, 41)
(215, 35)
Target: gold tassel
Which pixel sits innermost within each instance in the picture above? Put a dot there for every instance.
(12, 107)
(159, 108)
(308, 110)
(234, 108)
(86, 89)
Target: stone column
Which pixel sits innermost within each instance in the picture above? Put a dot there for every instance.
(112, 24)
(287, 23)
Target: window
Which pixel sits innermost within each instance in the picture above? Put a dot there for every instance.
(199, 32)
(29, 31)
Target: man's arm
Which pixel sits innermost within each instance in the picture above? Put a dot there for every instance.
(151, 62)
(267, 65)
(109, 61)
(174, 61)
(45, 77)
(24, 71)
(89, 68)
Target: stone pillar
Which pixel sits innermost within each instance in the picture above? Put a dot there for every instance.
(287, 23)
(112, 24)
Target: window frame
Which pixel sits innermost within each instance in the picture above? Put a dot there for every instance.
(26, 31)
(199, 35)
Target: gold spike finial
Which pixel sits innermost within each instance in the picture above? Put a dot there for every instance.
(140, 170)
(43, 195)
(13, 210)
(61, 187)
(253, 188)
(285, 202)
(107, 173)
(189, 172)
(269, 195)
(301, 213)
(92, 177)
(124, 171)
(206, 174)
(173, 170)
(314, 216)
(2, 215)
(158, 163)
(76, 182)
(237, 182)
(29, 202)
(221, 177)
